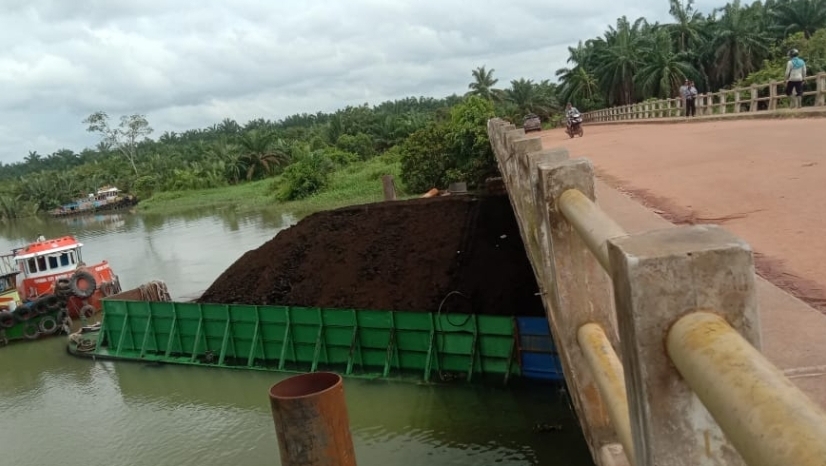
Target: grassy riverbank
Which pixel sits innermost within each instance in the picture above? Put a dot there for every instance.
(357, 183)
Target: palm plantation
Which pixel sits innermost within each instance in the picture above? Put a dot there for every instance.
(736, 43)
(633, 60)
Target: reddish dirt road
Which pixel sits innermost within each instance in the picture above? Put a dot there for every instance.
(763, 180)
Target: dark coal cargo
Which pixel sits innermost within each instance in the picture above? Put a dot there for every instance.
(402, 256)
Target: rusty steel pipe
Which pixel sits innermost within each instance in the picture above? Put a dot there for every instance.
(311, 421)
(764, 415)
(592, 224)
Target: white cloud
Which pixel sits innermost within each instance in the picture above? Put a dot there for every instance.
(188, 63)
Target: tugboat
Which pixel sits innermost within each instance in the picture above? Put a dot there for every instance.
(55, 287)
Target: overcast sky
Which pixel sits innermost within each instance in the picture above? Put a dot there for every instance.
(191, 63)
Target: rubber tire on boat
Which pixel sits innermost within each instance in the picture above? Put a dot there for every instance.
(76, 290)
(7, 319)
(47, 303)
(63, 318)
(87, 311)
(30, 331)
(23, 313)
(107, 288)
(62, 287)
(48, 330)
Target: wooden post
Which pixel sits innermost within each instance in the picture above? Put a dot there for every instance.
(722, 101)
(772, 95)
(753, 103)
(820, 101)
(389, 187)
(737, 101)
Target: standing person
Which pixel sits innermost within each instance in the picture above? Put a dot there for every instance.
(690, 99)
(795, 73)
(684, 96)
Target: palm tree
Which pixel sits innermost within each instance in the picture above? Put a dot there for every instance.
(687, 29)
(618, 55)
(578, 83)
(806, 16)
(256, 150)
(737, 44)
(483, 84)
(663, 70)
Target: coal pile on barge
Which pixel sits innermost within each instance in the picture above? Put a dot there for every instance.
(461, 253)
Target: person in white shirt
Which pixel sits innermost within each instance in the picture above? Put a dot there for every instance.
(795, 74)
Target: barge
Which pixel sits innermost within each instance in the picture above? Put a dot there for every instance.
(414, 346)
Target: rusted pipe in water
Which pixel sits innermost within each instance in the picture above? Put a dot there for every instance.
(311, 421)
(610, 378)
(764, 415)
(592, 224)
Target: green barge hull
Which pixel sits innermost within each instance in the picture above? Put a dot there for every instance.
(427, 347)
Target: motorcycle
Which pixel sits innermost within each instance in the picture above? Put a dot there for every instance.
(574, 127)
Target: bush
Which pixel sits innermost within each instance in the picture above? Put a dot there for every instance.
(425, 158)
(361, 144)
(340, 158)
(145, 186)
(455, 150)
(307, 176)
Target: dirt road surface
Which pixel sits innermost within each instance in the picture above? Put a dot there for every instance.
(763, 180)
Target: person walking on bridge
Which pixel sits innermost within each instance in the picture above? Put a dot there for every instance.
(795, 74)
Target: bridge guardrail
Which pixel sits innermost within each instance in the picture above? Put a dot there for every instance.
(755, 98)
(680, 305)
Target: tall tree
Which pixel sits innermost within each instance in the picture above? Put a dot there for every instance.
(125, 137)
(806, 16)
(482, 85)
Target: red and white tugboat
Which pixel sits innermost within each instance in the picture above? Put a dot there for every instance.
(54, 268)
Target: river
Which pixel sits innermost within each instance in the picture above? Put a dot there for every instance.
(59, 410)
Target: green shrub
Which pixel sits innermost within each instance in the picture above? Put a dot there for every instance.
(307, 176)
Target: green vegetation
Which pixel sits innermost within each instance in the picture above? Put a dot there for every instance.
(322, 160)
(737, 44)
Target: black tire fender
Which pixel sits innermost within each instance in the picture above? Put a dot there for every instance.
(87, 311)
(7, 319)
(23, 313)
(30, 331)
(76, 281)
(48, 325)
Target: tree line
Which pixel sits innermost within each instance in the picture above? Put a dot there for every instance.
(435, 140)
(736, 44)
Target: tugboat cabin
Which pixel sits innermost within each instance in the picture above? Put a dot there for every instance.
(43, 262)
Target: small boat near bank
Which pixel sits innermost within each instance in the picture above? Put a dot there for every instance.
(46, 284)
(105, 199)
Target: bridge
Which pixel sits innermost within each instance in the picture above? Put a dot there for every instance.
(676, 349)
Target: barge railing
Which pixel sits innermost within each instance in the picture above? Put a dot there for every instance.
(658, 332)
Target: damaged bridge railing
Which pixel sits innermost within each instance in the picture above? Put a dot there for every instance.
(659, 333)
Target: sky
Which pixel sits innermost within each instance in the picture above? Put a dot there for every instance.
(191, 63)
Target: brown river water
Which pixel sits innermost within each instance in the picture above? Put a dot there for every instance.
(62, 411)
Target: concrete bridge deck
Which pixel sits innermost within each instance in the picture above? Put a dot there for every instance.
(675, 350)
(763, 180)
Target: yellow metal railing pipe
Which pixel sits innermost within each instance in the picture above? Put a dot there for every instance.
(610, 378)
(594, 226)
(763, 414)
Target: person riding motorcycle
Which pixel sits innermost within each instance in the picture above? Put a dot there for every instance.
(570, 111)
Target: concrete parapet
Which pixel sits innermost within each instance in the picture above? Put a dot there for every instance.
(575, 288)
(658, 277)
